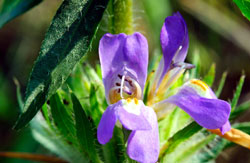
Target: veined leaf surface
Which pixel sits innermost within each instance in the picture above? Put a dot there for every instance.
(66, 42)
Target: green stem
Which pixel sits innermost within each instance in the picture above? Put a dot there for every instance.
(122, 20)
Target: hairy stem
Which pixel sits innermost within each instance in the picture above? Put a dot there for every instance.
(122, 20)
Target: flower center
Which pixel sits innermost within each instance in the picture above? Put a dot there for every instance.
(124, 88)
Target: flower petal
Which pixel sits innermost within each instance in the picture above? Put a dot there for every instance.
(143, 145)
(174, 41)
(120, 53)
(130, 120)
(107, 124)
(225, 128)
(209, 112)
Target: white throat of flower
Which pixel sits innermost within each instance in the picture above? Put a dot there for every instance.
(132, 105)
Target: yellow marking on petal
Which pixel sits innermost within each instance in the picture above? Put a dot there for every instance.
(199, 83)
(234, 135)
(128, 100)
(136, 101)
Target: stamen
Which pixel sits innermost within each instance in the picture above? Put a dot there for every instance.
(122, 83)
(130, 83)
(120, 76)
(124, 87)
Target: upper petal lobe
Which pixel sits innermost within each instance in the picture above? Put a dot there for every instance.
(174, 41)
(120, 53)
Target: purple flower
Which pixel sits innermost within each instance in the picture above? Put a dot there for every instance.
(124, 61)
(194, 97)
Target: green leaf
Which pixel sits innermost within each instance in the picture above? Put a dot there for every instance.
(191, 148)
(62, 119)
(195, 72)
(54, 142)
(237, 93)
(180, 137)
(99, 71)
(221, 85)
(84, 130)
(146, 92)
(18, 94)
(244, 6)
(66, 42)
(96, 80)
(46, 113)
(79, 84)
(13, 8)
(96, 112)
(209, 78)
(114, 151)
(239, 110)
(173, 122)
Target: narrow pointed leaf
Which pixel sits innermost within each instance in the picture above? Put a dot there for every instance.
(67, 40)
(244, 6)
(237, 93)
(13, 8)
(18, 94)
(84, 130)
(209, 78)
(79, 84)
(221, 84)
(240, 109)
(195, 72)
(46, 113)
(173, 122)
(95, 107)
(62, 119)
(179, 138)
(145, 97)
(54, 142)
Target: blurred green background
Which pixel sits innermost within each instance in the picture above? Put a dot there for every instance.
(218, 34)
